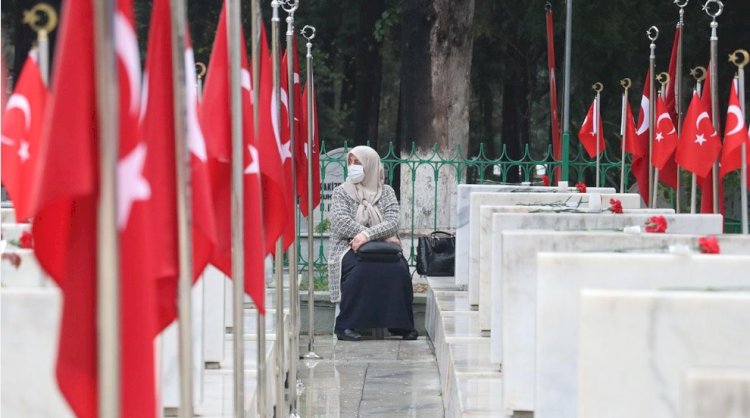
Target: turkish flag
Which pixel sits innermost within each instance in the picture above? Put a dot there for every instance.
(21, 131)
(215, 118)
(631, 142)
(307, 114)
(735, 134)
(300, 154)
(669, 89)
(65, 222)
(665, 136)
(591, 128)
(699, 145)
(275, 157)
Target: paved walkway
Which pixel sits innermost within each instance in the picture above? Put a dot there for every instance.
(370, 378)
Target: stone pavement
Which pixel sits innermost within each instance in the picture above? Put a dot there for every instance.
(370, 378)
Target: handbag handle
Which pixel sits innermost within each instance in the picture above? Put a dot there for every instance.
(433, 234)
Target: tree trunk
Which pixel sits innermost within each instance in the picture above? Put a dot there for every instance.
(368, 74)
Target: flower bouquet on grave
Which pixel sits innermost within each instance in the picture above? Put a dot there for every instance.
(26, 240)
(615, 206)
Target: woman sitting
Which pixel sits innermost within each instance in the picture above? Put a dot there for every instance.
(372, 294)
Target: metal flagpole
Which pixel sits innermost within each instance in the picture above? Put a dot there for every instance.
(199, 74)
(279, 256)
(625, 83)
(260, 389)
(182, 160)
(714, 74)
(290, 6)
(598, 87)
(309, 33)
(566, 91)
(108, 255)
(238, 248)
(663, 79)
(31, 17)
(741, 63)
(699, 73)
(678, 94)
(653, 34)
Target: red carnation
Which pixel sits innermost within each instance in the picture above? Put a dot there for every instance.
(545, 180)
(581, 187)
(615, 205)
(26, 240)
(708, 245)
(656, 224)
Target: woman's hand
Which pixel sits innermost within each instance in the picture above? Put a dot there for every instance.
(393, 239)
(357, 241)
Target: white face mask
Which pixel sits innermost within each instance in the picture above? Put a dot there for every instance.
(356, 174)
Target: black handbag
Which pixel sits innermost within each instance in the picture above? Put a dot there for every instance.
(436, 254)
(379, 251)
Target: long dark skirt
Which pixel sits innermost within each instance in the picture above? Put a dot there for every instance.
(375, 295)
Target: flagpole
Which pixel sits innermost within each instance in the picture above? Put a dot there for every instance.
(308, 32)
(237, 215)
(741, 63)
(566, 91)
(653, 34)
(199, 74)
(625, 83)
(290, 6)
(260, 390)
(182, 160)
(714, 68)
(31, 17)
(663, 79)
(598, 87)
(108, 256)
(699, 73)
(678, 93)
(279, 255)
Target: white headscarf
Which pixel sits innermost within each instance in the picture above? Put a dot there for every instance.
(368, 191)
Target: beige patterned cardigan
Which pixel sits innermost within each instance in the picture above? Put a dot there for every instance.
(344, 228)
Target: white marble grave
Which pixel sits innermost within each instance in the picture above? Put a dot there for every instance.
(716, 392)
(514, 290)
(28, 273)
(636, 347)
(462, 216)
(572, 200)
(30, 321)
(13, 231)
(213, 315)
(560, 278)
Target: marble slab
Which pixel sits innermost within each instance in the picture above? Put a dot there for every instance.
(485, 251)
(213, 315)
(30, 323)
(13, 231)
(572, 200)
(636, 347)
(514, 290)
(7, 215)
(560, 278)
(462, 216)
(716, 392)
(28, 273)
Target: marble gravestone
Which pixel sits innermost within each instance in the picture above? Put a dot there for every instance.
(572, 200)
(514, 288)
(562, 276)
(462, 216)
(637, 346)
(485, 252)
(716, 392)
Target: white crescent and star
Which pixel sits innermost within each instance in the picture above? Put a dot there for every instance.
(662, 117)
(254, 166)
(737, 112)
(20, 102)
(285, 150)
(131, 184)
(126, 47)
(703, 115)
(196, 142)
(23, 150)
(644, 108)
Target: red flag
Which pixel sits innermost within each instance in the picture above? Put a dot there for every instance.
(735, 134)
(556, 144)
(21, 131)
(631, 142)
(665, 136)
(669, 92)
(640, 164)
(307, 114)
(300, 154)
(699, 145)
(274, 156)
(706, 91)
(215, 117)
(590, 129)
(65, 222)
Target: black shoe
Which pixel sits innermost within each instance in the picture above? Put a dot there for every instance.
(349, 335)
(412, 335)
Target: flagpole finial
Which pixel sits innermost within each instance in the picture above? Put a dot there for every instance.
(33, 18)
(598, 87)
(663, 78)
(652, 33)
(201, 70)
(740, 58)
(698, 73)
(290, 6)
(716, 13)
(626, 83)
(308, 32)
(547, 6)
(681, 4)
